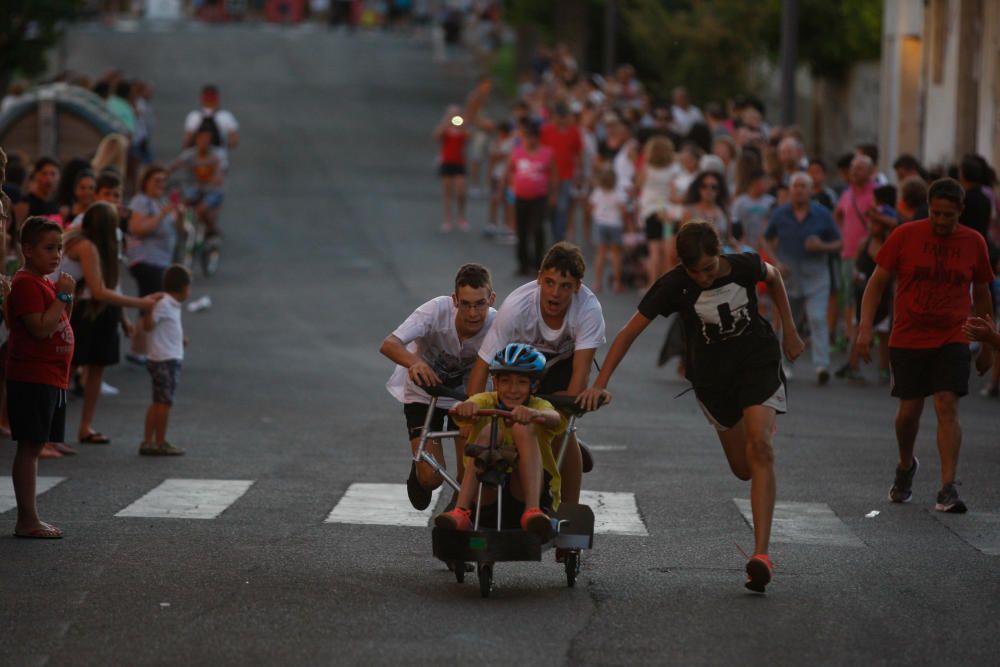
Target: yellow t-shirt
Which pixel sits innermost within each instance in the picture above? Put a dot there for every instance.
(488, 401)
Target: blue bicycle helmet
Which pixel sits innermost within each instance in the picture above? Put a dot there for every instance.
(518, 358)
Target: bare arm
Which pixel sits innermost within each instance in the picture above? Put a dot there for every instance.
(982, 305)
(420, 373)
(477, 377)
(143, 225)
(791, 343)
(869, 304)
(91, 265)
(590, 399)
(147, 320)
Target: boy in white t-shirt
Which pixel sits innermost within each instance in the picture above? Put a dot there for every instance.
(163, 361)
(560, 317)
(607, 209)
(437, 345)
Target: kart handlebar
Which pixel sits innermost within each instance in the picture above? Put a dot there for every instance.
(503, 414)
(564, 403)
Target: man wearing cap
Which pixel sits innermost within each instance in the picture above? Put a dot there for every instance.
(563, 137)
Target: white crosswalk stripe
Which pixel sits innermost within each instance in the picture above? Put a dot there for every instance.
(380, 505)
(614, 513)
(188, 499)
(981, 530)
(804, 523)
(7, 499)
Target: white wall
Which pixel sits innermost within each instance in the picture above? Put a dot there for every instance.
(939, 99)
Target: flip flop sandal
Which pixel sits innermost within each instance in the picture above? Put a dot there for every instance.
(64, 449)
(95, 438)
(46, 532)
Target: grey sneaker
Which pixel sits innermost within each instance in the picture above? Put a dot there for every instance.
(948, 500)
(901, 489)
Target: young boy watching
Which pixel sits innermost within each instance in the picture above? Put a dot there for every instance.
(437, 344)
(166, 352)
(533, 425)
(40, 349)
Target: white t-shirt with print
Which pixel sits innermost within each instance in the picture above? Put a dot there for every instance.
(166, 341)
(519, 320)
(429, 332)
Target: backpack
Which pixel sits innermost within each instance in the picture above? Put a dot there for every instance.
(208, 122)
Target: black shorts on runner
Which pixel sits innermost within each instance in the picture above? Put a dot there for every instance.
(557, 377)
(514, 508)
(416, 413)
(95, 329)
(450, 169)
(37, 412)
(922, 373)
(755, 385)
(654, 227)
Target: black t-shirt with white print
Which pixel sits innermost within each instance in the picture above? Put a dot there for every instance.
(725, 333)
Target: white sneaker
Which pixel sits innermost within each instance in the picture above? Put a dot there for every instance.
(108, 390)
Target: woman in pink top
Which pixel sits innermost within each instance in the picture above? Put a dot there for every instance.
(532, 173)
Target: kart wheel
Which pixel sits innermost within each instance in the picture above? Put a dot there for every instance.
(485, 579)
(459, 569)
(572, 564)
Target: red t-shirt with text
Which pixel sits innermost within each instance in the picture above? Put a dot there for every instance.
(934, 275)
(28, 358)
(566, 146)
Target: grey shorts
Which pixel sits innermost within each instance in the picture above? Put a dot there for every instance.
(165, 375)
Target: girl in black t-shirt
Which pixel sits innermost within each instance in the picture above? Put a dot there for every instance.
(733, 361)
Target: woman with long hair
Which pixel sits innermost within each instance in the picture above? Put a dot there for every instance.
(91, 256)
(708, 199)
(84, 190)
(653, 183)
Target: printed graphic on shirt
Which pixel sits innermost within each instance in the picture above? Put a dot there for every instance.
(64, 334)
(724, 312)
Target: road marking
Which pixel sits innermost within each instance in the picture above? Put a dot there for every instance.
(607, 448)
(614, 513)
(380, 505)
(805, 523)
(981, 530)
(9, 502)
(188, 499)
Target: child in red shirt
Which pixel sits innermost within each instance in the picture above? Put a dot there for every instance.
(40, 349)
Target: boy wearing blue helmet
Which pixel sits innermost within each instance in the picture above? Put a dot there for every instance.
(533, 426)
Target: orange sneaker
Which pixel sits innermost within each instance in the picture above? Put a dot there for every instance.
(457, 519)
(536, 521)
(759, 572)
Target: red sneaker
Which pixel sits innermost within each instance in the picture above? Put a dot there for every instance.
(759, 571)
(457, 519)
(536, 521)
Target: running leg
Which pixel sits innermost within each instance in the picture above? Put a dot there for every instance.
(907, 426)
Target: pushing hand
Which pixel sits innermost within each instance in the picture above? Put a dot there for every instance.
(422, 374)
(593, 398)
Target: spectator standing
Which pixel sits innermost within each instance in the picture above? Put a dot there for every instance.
(533, 177)
(42, 189)
(906, 166)
(937, 263)
(563, 137)
(858, 197)
(707, 199)
(153, 229)
(752, 208)
(791, 158)
(84, 190)
(91, 257)
(684, 114)
(801, 234)
(978, 210)
(608, 212)
(822, 193)
(452, 135)
(653, 182)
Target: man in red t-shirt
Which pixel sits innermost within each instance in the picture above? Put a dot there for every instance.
(39, 352)
(934, 263)
(563, 137)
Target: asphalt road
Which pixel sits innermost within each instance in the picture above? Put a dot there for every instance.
(331, 239)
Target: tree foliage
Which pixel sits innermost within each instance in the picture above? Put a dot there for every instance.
(714, 46)
(28, 29)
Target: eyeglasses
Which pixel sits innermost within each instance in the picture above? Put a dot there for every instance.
(476, 305)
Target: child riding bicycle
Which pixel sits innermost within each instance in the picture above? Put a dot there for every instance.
(530, 430)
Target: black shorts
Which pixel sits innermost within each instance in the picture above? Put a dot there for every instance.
(149, 278)
(513, 508)
(921, 373)
(95, 328)
(37, 412)
(165, 375)
(451, 169)
(557, 377)
(416, 413)
(754, 385)
(654, 227)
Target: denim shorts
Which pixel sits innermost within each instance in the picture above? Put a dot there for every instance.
(608, 234)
